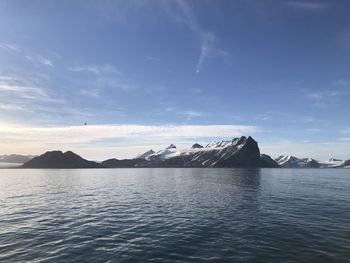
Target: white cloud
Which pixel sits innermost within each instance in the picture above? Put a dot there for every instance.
(101, 77)
(12, 107)
(205, 49)
(45, 61)
(14, 88)
(183, 13)
(82, 134)
(10, 47)
(323, 98)
(90, 92)
(23, 91)
(190, 114)
(96, 69)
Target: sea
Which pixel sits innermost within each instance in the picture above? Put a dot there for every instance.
(175, 215)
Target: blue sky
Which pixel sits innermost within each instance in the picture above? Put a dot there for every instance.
(149, 73)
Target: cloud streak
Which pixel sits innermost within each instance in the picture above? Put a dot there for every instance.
(323, 98)
(30, 56)
(205, 49)
(10, 47)
(13, 88)
(185, 15)
(96, 69)
(102, 76)
(90, 133)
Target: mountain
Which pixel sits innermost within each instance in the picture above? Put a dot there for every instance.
(168, 153)
(346, 164)
(196, 146)
(287, 161)
(333, 160)
(267, 162)
(15, 158)
(145, 155)
(332, 163)
(124, 163)
(58, 159)
(238, 152)
(341, 164)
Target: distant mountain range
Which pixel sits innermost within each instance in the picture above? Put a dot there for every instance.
(15, 158)
(58, 159)
(238, 152)
(286, 161)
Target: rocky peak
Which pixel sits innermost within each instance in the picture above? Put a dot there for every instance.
(171, 146)
(196, 146)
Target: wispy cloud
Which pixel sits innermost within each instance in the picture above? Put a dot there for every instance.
(195, 90)
(90, 92)
(205, 49)
(96, 69)
(29, 55)
(12, 107)
(26, 92)
(313, 130)
(191, 114)
(151, 58)
(10, 47)
(341, 83)
(208, 49)
(307, 5)
(25, 95)
(325, 97)
(45, 61)
(90, 133)
(101, 77)
(185, 15)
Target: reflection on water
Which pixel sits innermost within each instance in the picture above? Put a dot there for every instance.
(167, 215)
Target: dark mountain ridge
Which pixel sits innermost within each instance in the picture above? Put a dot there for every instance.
(58, 159)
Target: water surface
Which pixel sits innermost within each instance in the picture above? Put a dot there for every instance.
(175, 215)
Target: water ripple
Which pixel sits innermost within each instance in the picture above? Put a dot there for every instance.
(175, 215)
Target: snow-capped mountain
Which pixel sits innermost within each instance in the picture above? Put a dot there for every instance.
(336, 163)
(169, 152)
(238, 152)
(288, 161)
(332, 163)
(145, 155)
(345, 164)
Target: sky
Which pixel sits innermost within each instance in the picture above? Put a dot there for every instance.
(144, 74)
